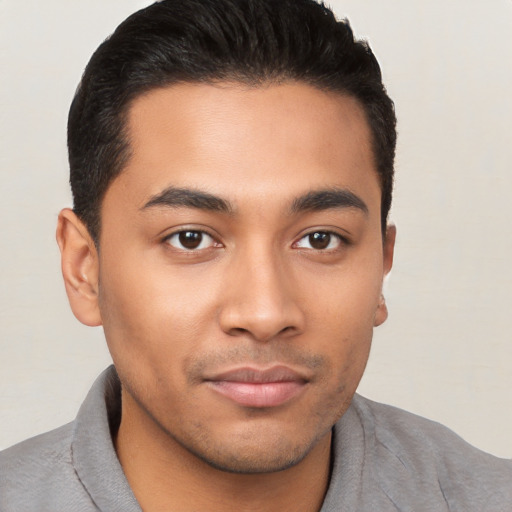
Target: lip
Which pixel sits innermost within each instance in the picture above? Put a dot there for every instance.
(259, 388)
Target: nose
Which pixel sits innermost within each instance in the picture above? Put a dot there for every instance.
(260, 300)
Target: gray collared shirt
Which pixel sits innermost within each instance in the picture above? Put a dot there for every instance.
(384, 459)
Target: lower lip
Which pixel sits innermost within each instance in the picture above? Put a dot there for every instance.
(260, 394)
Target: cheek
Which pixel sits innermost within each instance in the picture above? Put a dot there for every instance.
(156, 318)
(148, 336)
(148, 311)
(341, 319)
(345, 299)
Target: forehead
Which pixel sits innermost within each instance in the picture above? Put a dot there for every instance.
(242, 142)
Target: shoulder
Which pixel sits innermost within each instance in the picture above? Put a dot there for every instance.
(429, 455)
(38, 474)
(39, 452)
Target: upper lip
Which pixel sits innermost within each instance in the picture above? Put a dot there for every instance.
(279, 373)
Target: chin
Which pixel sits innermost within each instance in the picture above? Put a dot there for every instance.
(255, 462)
(254, 452)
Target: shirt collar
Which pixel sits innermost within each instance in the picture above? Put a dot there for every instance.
(93, 453)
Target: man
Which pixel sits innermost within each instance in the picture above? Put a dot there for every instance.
(231, 167)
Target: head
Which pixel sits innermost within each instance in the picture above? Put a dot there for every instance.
(251, 42)
(231, 164)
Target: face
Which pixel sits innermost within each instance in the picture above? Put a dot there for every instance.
(241, 266)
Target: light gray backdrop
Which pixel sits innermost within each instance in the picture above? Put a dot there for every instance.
(446, 350)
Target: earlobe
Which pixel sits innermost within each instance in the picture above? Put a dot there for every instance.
(381, 314)
(80, 267)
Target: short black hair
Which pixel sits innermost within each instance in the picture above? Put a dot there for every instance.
(254, 42)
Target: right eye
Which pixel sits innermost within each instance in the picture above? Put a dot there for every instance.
(190, 240)
(320, 241)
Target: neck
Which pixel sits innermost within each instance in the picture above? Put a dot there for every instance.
(166, 476)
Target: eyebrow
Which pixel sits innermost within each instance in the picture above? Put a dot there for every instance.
(333, 198)
(173, 197)
(315, 200)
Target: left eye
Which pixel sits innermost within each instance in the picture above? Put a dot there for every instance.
(190, 240)
(320, 241)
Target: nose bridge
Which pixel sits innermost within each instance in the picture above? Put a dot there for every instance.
(260, 299)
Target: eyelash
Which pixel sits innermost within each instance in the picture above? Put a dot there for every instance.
(341, 241)
(183, 232)
(214, 243)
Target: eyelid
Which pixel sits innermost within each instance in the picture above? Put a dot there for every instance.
(196, 229)
(342, 239)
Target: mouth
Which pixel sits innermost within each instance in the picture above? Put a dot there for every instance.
(259, 388)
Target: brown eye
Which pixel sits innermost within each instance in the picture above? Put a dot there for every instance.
(190, 240)
(319, 240)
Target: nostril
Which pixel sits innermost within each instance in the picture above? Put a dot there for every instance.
(237, 331)
(261, 334)
(287, 330)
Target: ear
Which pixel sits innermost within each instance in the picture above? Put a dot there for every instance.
(80, 267)
(388, 251)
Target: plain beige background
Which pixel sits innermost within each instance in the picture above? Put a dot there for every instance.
(446, 350)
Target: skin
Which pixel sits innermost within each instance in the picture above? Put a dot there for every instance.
(257, 292)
